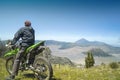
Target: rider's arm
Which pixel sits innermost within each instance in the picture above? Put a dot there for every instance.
(17, 36)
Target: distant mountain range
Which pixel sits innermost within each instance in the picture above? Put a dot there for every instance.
(76, 51)
(85, 43)
(82, 42)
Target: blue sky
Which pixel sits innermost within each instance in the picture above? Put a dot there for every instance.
(63, 20)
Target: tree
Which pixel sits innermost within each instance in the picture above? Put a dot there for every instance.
(2, 48)
(89, 60)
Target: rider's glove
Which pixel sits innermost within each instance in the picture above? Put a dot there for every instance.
(12, 46)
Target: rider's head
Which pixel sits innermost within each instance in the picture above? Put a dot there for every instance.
(27, 23)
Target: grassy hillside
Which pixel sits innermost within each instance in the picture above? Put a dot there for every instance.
(103, 72)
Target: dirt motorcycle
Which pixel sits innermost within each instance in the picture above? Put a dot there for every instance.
(41, 67)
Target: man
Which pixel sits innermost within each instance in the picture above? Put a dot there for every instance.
(28, 38)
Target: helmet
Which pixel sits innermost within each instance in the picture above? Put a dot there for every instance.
(27, 23)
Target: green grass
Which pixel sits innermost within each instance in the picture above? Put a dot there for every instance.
(3, 71)
(95, 73)
(70, 73)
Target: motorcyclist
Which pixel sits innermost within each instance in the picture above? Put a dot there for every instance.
(27, 36)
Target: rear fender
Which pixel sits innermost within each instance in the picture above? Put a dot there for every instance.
(35, 46)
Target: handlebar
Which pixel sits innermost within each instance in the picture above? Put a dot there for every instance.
(9, 45)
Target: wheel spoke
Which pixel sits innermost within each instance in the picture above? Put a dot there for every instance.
(42, 70)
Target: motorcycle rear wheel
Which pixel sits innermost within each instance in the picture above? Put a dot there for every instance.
(43, 69)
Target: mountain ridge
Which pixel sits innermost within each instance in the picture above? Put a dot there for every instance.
(81, 41)
(85, 43)
(75, 51)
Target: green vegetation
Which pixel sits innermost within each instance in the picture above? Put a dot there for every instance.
(89, 60)
(114, 65)
(2, 48)
(64, 72)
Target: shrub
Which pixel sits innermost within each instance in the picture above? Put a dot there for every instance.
(114, 65)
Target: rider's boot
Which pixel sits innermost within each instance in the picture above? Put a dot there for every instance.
(11, 77)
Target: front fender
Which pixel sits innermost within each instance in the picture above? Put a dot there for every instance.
(11, 53)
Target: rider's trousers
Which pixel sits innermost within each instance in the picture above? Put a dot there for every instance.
(17, 60)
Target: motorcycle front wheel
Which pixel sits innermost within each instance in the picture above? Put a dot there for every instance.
(9, 64)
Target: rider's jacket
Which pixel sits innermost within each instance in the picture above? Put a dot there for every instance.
(27, 35)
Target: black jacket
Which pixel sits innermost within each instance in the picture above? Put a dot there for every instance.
(27, 35)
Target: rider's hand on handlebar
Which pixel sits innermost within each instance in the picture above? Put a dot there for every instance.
(12, 46)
